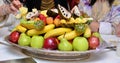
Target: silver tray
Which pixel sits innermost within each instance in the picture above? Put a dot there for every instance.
(53, 54)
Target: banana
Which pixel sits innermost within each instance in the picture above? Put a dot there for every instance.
(44, 12)
(27, 24)
(47, 28)
(20, 28)
(87, 32)
(57, 32)
(70, 35)
(23, 10)
(79, 20)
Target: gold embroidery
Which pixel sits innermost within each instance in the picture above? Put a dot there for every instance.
(100, 9)
(47, 4)
(116, 2)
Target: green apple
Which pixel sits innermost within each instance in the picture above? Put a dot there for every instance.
(80, 44)
(65, 45)
(37, 41)
(24, 40)
(97, 34)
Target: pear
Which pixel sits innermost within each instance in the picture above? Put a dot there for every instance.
(37, 41)
(65, 45)
(87, 32)
(24, 40)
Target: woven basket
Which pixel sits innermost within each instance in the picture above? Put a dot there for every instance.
(53, 54)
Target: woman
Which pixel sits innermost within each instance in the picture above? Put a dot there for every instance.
(8, 7)
(44, 4)
(106, 14)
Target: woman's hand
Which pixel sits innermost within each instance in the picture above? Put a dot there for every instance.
(94, 26)
(117, 30)
(15, 5)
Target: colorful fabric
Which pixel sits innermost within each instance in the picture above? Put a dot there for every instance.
(112, 17)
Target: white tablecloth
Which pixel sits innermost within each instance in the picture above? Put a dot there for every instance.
(7, 53)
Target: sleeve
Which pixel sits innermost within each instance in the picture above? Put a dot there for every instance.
(4, 10)
(110, 21)
(4, 14)
(105, 28)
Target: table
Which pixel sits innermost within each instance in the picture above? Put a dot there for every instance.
(7, 53)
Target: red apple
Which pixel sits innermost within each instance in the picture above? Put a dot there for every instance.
(50, 43)
(58, 17)
(42, 17)
(14, 36)
(93, 42)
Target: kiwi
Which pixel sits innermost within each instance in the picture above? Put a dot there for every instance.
(39, 25)
(80, 28)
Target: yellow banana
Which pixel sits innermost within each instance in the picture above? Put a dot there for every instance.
(57, 32)
(23, 10)
(20, 28)
(87, 32)
(27, 24)
(44, 12)
(70, 35)
(79, 20)
(47, 28)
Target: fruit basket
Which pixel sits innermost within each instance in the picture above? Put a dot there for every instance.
(55, 34)
(53, 54)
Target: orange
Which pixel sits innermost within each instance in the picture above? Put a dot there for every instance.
(57, 22)
(49, 20)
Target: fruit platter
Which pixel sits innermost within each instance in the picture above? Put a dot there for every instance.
(54, 34)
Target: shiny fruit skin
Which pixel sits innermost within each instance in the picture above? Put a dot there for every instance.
(50, 43)
(37, 41)
(65, 45)
(42, 17)
(57, 17)
(93, 42)
(56, 32)
(24, 40)
(49, 20)
(14, 36)
(80, 44)
(56, 22)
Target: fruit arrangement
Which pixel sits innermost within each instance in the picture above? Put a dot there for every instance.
(54, 29)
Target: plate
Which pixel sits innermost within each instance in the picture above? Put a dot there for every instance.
(53, 54)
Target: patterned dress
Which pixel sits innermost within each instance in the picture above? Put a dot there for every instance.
(107, 20)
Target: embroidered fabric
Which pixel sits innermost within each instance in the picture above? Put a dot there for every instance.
(111, 15)
(47, 4)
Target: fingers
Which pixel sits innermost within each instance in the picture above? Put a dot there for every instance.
(16, 4)
(13, 8)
